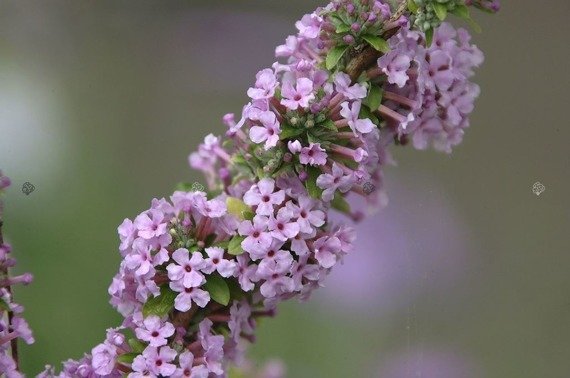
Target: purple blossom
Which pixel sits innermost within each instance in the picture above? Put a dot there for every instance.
(395, 65)
(276, 279)
(186, 271)
(307, 217)
(351, 114)
(154, 331)
(301, 270)
(187, 368)
(216, 262)
(352, 92)
(333, 181)
(257, 240)
(268, 133)
(263, 196)
(309, 26)
(245, 272)
(281, 226)
(183, 301)
(326, 250)
(299, 96)
(155, 361)
(103, 358)
(213, 347)
(265, 85)
(313, 155)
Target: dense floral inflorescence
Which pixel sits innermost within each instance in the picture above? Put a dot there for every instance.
(199, 269)
(12, 325)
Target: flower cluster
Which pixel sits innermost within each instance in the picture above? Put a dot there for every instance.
(199, 269)
(12, 325)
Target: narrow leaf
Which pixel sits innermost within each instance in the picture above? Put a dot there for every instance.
(127, 358)
(136, 345)
(412, 6)
(440, 10)
(374, 98)
(334, 56)
(290, 132)
(340, 204)
(218, 289)
(239, 209)
(429, 37)
(378, 43)
(160, 305)
(234, 247)
(311, 183)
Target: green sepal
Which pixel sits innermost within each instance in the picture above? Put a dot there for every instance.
(328, 125)
(377, 42)
(429, 37)
(218, 289)
(234, 246)
(462, 12)
(334, 56)
(161, 305)
(412, 6)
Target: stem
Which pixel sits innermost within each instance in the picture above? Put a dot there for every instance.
(370, 55)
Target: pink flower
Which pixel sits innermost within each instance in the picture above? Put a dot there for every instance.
(309, 26)
(395, 65)
(154, 331)
(103, 358)
(326, 250)
(313, 155)
(265, 85)
(307, 218)
(187, 368)
(150, 224)
(187, 270)
(303, 270)
(257, 240)
(281, 226)
(268, 133)
(294, 146)
(276, 279)
(155, 361)
(331, 182)
(299, 96)
(183, 301)
(127, 234)
(245, 272)
(352, 116)
(342, 84)
(216, 262)
(262, 195)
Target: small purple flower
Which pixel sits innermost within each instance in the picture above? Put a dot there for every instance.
(265, 85)
(154, 331)
(213, 347)
(276, 279)
(352, 116)
(183, 301)
(187, 368)
(294, 146)
(150, 224)
(306, 216)
(336, 180)
(245, 272)
(395, 65)
(216, 262)
(268, 133)
(299, 96)
(127, 234)
(103, 359)
(257, 240)
(309, 26)
(262, 195)
(342, 84)
(313, 155)
(155, 361)
(303, 270)
(186, 271)
(326, 250)
(281, 226)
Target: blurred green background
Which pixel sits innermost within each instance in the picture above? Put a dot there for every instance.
(101, 102)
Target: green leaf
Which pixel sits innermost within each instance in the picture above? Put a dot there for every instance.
(334, 56)
(329, 125)
(127, 358)
(429, 37)
(440, 10)
(136, 345)
(234, 247)
(160, 305)
(290, 132)
(340, 204)
(239, 209)
(412, 6)
(342, 28)
(462, 11)
(3, 305)
(374, 98)
(218, 289)
(311, 183)
(377, 42)
(184, 186)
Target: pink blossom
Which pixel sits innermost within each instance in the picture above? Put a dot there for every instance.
(187, 368)
(183, 301)
(154, 331)
(282, 227)
(395, 65)
(216, 262)
(263, 196)
(307, 216)
(326, 250)
(351, 114)
(186, 271)
(299, 96)
(352, 92)
(257, 240)
(265, 85)
(268, 133)
(313, 155)
(336, 180)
